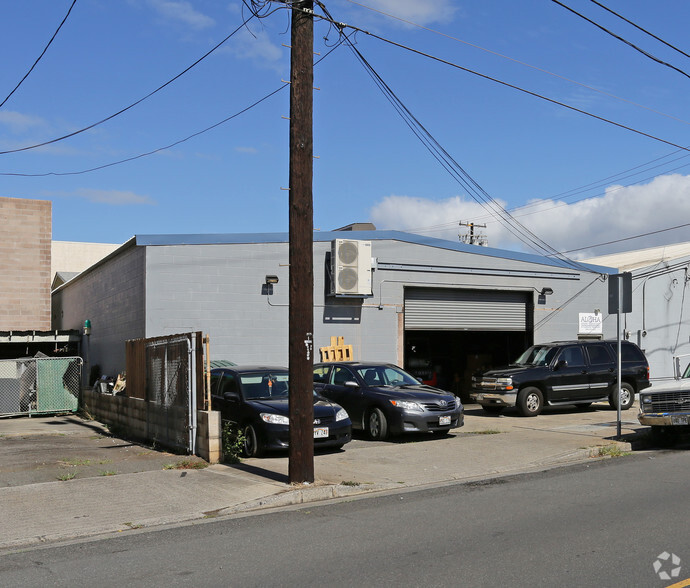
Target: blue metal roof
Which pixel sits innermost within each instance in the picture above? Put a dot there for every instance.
(320, 236)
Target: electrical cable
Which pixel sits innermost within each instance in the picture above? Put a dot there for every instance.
(523, 63)
(449, 164)
(623, 40)
(639, 28)
(628, 238)
(26, 75)
(123, 110)
(178, 142)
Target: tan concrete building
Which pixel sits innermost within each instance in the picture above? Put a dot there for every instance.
(25, 264)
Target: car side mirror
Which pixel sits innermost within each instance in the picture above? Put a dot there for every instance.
(562, 363)
(231, 396)
(351, 384)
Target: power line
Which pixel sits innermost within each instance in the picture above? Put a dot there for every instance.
(623, 40)
(26, 75)
(119, 112)
(628, 238)
(523, 63)
(449, 163)
(639, 28)
(171, 145)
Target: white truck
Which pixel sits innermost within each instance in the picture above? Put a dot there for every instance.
(666, 406)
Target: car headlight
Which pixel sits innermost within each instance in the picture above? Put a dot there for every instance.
(458, 402)
(407, 405)
(341, 415)
(504, 383)
(274, 419)
(645, 403)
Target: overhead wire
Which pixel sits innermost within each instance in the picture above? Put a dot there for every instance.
(639, 28)
(448, 162)
(26, 75)
(171, 145)
(123, 110)
(623, 40)
(520, 62)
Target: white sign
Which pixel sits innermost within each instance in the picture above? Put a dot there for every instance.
(590, 324)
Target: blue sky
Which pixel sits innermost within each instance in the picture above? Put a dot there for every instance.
(562, 174)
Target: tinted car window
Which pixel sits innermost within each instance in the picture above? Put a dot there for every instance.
(573, 355)
(537, 355)
(342, 375)
(321, 374)
(228, 383)
(598, 355)
(631, 353)
(215, 378)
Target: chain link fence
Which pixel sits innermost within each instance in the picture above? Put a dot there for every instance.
(39, 385)
(169, 385)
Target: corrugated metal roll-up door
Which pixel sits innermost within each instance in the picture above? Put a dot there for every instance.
(466, 310)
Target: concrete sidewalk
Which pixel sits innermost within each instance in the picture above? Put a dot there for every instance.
(486, 447)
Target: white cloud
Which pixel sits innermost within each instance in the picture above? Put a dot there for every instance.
(113, 197)
(256, 46)
(183, 12)
(18, 122)
(421, 12)
(620, 213)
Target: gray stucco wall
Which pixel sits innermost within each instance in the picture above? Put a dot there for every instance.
(111, 296)
(217, 289)
(660, 320)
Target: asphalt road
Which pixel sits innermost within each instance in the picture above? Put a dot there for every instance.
(602, 524)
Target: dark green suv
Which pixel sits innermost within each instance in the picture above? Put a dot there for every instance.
(564, 372)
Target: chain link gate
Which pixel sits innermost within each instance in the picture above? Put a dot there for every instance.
(170, 369)
(39, 385)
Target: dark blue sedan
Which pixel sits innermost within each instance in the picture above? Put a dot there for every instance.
(255, 400)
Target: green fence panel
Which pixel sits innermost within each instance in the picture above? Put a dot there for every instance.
(55, 390)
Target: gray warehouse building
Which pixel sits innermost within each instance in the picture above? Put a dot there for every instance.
(440, 308)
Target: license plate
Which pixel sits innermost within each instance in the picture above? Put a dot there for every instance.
(444, 420)
(679, 419)
(320, 432)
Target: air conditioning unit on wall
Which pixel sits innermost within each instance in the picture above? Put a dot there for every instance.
(350, 267)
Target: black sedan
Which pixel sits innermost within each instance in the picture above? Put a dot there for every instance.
(383, 400)
(255, 399)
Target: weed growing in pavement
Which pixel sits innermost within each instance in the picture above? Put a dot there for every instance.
(133, 525)
(485, 432)
(108, 473)
(77, 461)
(233, 443)
(610, 451)
(65, 477)
(349, 483)
(186, 464)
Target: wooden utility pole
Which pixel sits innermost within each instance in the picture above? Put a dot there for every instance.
(301, 313)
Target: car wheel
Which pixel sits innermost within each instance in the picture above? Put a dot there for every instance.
(530, 401)
(492, 408)
(377, 426)
(627, 396)
(251, 446)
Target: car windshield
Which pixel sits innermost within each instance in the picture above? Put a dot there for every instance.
(386, 375)
(264, 385)
(537, 355)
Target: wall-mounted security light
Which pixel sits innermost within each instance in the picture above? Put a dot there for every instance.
(271, 279)
(546, 291)
(267, 286)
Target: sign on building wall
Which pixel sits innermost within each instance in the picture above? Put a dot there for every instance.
(591, 323)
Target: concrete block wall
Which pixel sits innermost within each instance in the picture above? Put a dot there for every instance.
(25, 255)
(138, 418)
